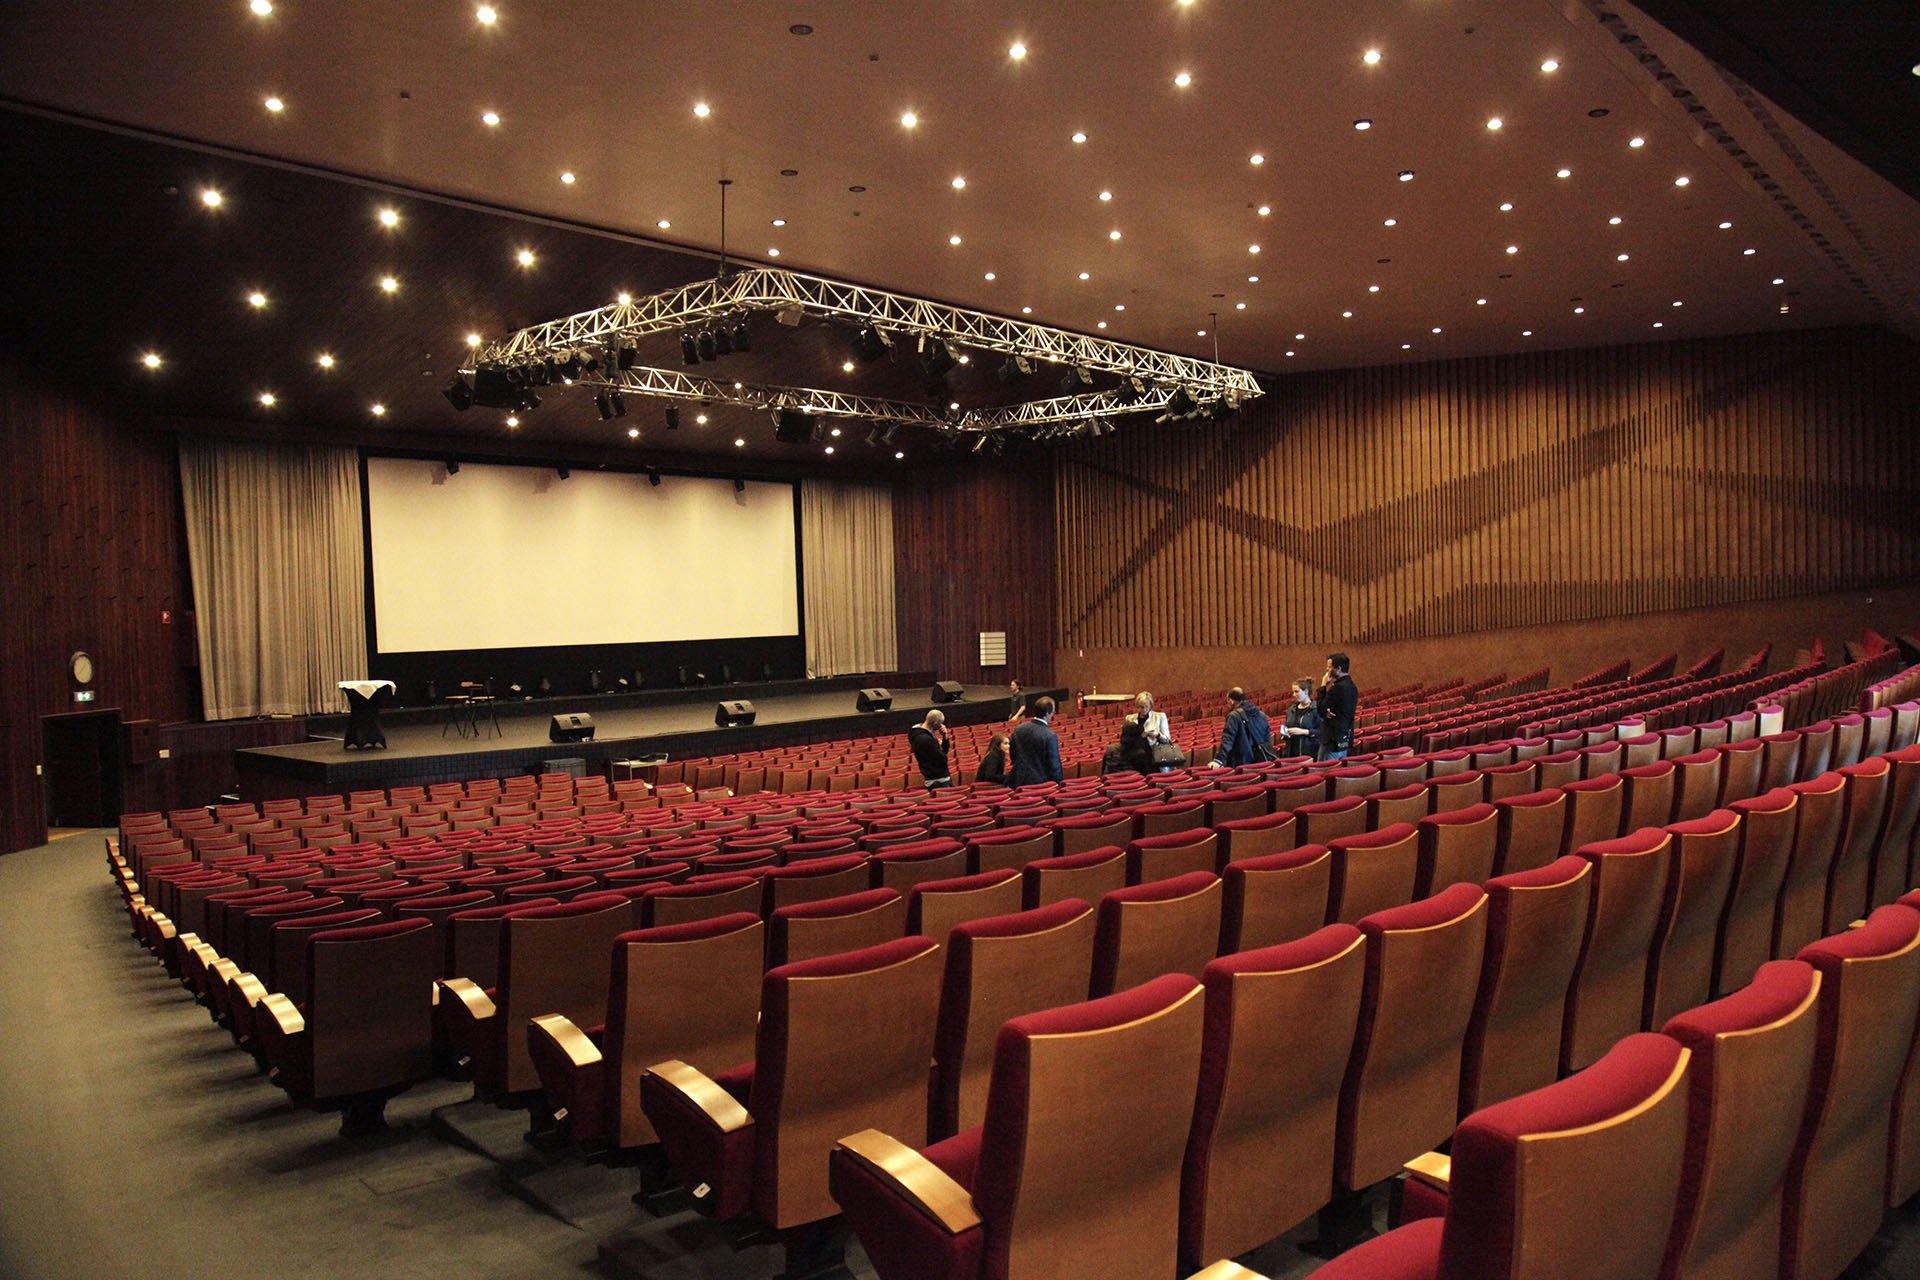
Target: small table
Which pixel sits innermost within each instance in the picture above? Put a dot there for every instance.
(1096, 698)
(364, 700)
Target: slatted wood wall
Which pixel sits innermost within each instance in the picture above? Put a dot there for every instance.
(1396, 502)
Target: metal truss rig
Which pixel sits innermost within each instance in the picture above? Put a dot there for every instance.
(1163, 378)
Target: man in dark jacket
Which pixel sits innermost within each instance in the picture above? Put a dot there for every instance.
(1337, 703)
(1247, 738)
(1036, 748)
(930, 745)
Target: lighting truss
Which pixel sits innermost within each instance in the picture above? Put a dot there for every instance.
(768, 288)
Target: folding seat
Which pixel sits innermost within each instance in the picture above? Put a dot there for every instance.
(1849, 740)
(1492, 755)
(828, 926)
(1168, 817)
(1329, 820)
(1447, 792)
(1050, 1185)
(1816, 748)
(1893, 870)
(1076, 833)
(1575, 1181)
(1682, 740)
(935, 906)
(1639, 750)
(1088, 876)
(1447, 763)
(1357, 780)
(1372, 871)
(1782, 758)
(842, 1046)
(285, 969)
(1697, 785)
(745, 861)
(253, 938)
(1879, 733)
(901, 866)
(687, 992)
(1510, 779)
(1146, 930)
(1700, 867)
(1648, 799)
(1609, 988)
(1602, 758)
(1021, 815)
(1257, 837)
(824, 847)
(1742, 726)
(1532, 831)
(1161, 857)
(552, 960)
(1260, 1153)
(997, 968)
(1233, 804)
(1396, 773)
(1402, 1084)
(1402, 804)
(1300, 789)
(1741, 767)
(562, 889)
(1594, 808)
(1903, 1156)
(1007, 848)
(813, 880)
(876, 839)
(1822, 811)
(1535, 923)
(1837, 1180)
(1746, 1096)
(1850, 881)
(473, 940)
(1766, 843)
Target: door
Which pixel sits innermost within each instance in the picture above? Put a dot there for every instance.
(82, 761)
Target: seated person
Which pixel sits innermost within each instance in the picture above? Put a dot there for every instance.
(1131, 754)
(1154, 722)
(993, 765)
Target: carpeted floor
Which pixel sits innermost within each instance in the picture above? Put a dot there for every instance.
(138, 1141)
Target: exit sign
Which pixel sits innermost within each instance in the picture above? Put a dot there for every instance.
(83, 695)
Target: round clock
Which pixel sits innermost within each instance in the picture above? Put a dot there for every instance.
(81, 664)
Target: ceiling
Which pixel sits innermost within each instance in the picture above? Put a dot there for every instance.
(125, 113)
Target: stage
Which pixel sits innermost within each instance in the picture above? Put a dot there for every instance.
(425, 747)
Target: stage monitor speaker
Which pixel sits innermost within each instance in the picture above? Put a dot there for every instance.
(948, 691)
(573, 728)
(872, 700)
(733, 713)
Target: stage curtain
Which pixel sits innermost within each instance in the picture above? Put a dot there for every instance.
(846, 548)
(274, 540)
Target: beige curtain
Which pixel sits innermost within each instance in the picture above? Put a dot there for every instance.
(846, 548)
(274, 538)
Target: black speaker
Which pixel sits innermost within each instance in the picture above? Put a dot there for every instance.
(732, 713)
(948, 691)
(574, 728)
(872, 700)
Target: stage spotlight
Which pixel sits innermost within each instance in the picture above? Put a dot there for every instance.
(569, 367)
(453, 468)
(493, 389)
(873, 434)
(790, 426)
(627, 356)
(739, 486)
(935, 358)
(886, 432)
(673, 417)
(528, 400)
(1075, 380)
(539, 374)
(1180, 404)
(1130, 390)
(869, 344)
(603, 403)
(722, 340)
(653, 476)
(459, 392)
(1220, 410)
(705, 345)
(562, 472)
(742, 335)
(689, 349)
(790, 315)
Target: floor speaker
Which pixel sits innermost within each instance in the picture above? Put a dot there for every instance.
(573, 728)
(732, 713)
(872, 700)
(948, 691)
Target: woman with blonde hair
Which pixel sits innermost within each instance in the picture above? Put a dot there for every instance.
(1152, 723)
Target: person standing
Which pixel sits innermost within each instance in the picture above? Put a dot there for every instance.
(1339, 700)
(1301, 729)
(993, 764)
(1247, 737)
(931, 743)
(1036, 748)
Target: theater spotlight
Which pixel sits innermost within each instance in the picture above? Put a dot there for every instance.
(528, 400)
(790, 426)
(869, 344)
(539, 374)
(673, 417)
(627, 356)
(1220, 410)
(742, 335)
(1075, 380)
(1180, 404)
(1131, 388)
(739, 486)
(722, 340)
(935, 358)
(570, 367)
(653, 476)
(459, 392)
(689, 349)
(611, 404)
(705, 345)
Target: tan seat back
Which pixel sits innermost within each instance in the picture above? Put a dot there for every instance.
(852, 922)
(1165, 926)
(1533, 831)
(1816, 839)
(1277, 898)
(372, 1007)
(553, 960)
(1766, 842)
(1608, 992)
(1851, 878)
(1699, 877)
(1373, 871)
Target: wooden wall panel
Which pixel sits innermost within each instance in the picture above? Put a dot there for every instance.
(91, 539)
(1395, 503)
(973, 551)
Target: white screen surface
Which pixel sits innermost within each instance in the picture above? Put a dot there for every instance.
(502, 557)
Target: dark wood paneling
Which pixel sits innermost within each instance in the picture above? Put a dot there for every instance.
(91, 537)
(1396, 503)
(972, 552)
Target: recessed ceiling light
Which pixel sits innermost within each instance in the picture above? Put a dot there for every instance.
(1239, 306)
(1363, 125)
(990, 276)
(1614, 221)
(379, 410)
(1726, 226)
(1264, 210)
(1406, 346)
(267, 400)
(1526, 333)
(1506, 206)
(274, 104)
(633, 433)
(389, 284)
(487, 14)
(772, 252)
(256, 299)
(779, 222)
(1114, 234)
(524, 257)
(1494, 123)
(1748, 252)
(1026, 311)
(829, 448)
(1184, 79)
(1289, 355)
(1563, 173)
(898, 455)
(1256, 158)
(1101, 325)
(1436, 328)
(953, 240)
(1636, 142)
(325, 361)
(1016, 50)
(908, 119)
(473, 339)
(1079, 137)
(702, 110)
(1779, 279)
(1579, 311)
(1513, 248)
(1253, 279)
(1119, 306)
(1550, 65)
(959, 183)
(738, 443)
(567, 177)
(1391, 222)
(389, 218)
(1199, 333)
(261, 7)
(1678, 303)
(1085, 276)
(1619, 257)
(1659, 324)
(1106, 195)
(1682, 180)
(1406, 175)
(490, 118)
(1346, 315)
(152, 360)
(846, 366)
(1370, 57)
(1373, 288)
(700, 418)
(1299, 337)
(1479, 302)
(623, 298)
(210, 197)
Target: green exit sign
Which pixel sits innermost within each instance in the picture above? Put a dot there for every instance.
(83, 695)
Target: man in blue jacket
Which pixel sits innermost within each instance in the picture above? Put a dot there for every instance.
(1248, 738)
(1036, 748)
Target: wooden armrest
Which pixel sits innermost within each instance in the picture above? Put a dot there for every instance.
(1226, 1271)
(479, 1004)
(284, 1014)
(188, 941)
(137, 902)
(223, 970)
(164, 925)
(719, 1106)
(204, 950)
(572, 1041)
(249, 989)
(1432, 1168)
(930, 1189)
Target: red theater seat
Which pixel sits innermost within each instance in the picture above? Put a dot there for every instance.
(1533, 831)
(1608, 993)
(1330, 820)
(1165, 926)
(1851, 880)
(1275, 898)
(1089, 876)
(1766, 842)
(1700, 866)
(1257, 837)
(935, 906)
(1372, 872)
(1822, 813)
(831, 925)
(1163, 856)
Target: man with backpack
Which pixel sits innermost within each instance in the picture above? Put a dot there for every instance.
(1247, 738)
